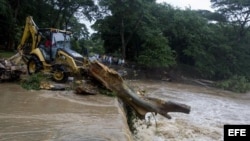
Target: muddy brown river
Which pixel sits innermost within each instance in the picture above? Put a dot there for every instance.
(65, 116)
(59, 116)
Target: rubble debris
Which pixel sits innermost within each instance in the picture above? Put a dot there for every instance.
(10, 71)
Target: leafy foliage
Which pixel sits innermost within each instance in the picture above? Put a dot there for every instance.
(236, 83)
(156, 53)
(136, 34)
(3, 7)
(237, 13)
(33, 81)
(131, 118)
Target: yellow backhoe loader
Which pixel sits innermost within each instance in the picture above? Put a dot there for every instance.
(53, 56)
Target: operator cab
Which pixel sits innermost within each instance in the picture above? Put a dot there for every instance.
(59, 40)
(53, 40)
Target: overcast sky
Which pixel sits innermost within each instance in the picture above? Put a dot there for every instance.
(193, 4)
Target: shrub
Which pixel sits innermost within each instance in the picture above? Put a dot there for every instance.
(33, 81)
(236, 83)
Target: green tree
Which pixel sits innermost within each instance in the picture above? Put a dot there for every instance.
(95, 44)
(3, 7)
(212, 16)
(156, 53)
(155, 50)
(236, 30)
(185, 30)
(132, 29)
(237, 13)
(64, 10)
(123, 22)
(197, 42)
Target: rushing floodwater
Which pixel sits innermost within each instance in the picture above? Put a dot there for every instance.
(211, 109)
(59, 116)
(64, 116)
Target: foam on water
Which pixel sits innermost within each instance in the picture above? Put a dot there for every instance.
(211, 109)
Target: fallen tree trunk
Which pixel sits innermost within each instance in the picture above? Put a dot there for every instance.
(114, 82)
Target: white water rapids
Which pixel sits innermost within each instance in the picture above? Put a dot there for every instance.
(211, 109)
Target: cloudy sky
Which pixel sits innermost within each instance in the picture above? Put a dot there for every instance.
(193, 4)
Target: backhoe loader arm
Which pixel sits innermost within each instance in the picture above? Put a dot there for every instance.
(30, 30)
(30, 33)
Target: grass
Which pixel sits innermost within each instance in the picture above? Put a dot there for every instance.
(6, 54)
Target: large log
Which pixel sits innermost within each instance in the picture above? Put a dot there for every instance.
(141, 104)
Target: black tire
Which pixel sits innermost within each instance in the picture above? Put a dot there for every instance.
(34, 65)
(60, 74)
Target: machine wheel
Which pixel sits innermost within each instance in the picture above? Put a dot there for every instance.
(34, 65)
(60, 75)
